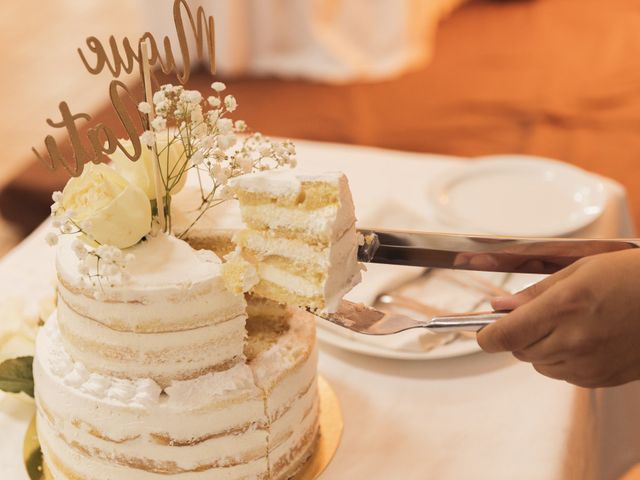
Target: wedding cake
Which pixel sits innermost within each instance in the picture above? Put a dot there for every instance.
(150, 380)
(152, 367)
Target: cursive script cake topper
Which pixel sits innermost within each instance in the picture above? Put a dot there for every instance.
(101, 138)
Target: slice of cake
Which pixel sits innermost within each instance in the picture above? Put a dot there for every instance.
(300, 235)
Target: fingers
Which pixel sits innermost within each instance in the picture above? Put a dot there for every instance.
(555, 370)
(544, 351)
(527, 324)
(511, 302)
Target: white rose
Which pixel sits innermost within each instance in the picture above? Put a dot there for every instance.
(140, 172)
(110, 209)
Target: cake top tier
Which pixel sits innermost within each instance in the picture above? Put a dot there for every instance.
(159, 285)
(157, 262)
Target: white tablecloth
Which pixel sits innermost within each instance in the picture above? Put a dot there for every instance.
(475, 417)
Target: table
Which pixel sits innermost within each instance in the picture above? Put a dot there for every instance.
(475, 417)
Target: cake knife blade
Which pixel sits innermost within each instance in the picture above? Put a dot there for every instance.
(481, 252)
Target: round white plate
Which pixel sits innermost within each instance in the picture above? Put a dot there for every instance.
(353, 343)
(518, 195)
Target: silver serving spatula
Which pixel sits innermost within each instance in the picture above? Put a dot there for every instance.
(360, 318)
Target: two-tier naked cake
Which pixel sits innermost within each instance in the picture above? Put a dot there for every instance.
(170, 374)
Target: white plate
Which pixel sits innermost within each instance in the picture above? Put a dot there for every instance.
(350, 341)
(518, 195)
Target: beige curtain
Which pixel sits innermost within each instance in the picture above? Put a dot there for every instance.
(323, 40)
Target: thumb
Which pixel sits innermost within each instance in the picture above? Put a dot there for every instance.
(511, 302)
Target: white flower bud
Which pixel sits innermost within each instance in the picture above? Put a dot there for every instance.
(219, 175)
(225, 126)
(265, 150)
(111, 270)
(213, 101)
(159, 97)
(105, 253)
(51, 238)
(56, 196)
(218, 86)
(245, 163)
(197, 158)
(225, 142)
(161, 107)
(194, 96)
(196, 115)
(230, 103)
(144, 107)
(148, 138)
(159, 123)
(78, 247)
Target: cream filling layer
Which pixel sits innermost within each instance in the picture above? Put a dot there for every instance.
(161, 356)
(299, 423)
(223, 451)
(90, 468)
(171, 311)
(290, 281)
(328, 222)
(128, 408)
(266, 243)
(341, 277)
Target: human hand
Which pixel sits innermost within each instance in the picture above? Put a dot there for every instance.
(581, 325)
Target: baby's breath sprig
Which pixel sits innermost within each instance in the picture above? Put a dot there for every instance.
(99, 265)
(209, 142)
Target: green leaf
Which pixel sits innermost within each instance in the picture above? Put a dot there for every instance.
(16, 375)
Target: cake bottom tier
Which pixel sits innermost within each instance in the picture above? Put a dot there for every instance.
(257, 420)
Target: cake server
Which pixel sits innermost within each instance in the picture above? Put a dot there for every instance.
(484, 253)
(360, 318)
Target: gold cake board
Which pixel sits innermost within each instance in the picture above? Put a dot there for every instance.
(330, 434)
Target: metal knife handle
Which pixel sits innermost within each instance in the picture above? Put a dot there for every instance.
(468, 322)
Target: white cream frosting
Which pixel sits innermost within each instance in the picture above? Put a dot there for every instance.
(172, 287)
(130, 411)
(73, 403)
(283, 182)
(173, 320)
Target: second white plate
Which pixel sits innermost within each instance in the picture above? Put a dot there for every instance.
(518, 195)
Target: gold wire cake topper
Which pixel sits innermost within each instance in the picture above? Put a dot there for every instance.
(102, 140)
